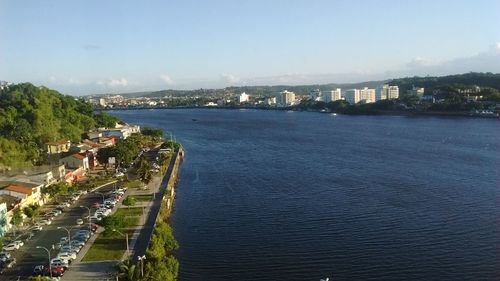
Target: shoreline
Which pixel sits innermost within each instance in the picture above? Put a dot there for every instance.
(460, 114)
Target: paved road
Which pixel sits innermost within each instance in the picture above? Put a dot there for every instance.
(28, 256)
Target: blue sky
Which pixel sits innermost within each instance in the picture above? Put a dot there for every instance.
(86, 47)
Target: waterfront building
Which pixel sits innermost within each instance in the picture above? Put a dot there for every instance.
(416, 91)
(315, 95)
(270, 101)
(365, 95)
(102, 102)
(387, 92)
(332, 95)
(286, 98)
(243, 97)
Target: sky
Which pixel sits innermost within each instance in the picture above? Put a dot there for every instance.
(116, 46)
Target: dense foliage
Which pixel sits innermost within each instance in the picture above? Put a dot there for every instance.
(30, 116)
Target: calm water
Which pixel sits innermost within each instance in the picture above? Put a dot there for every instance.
(268, 195)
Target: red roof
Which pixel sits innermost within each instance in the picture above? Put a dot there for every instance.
(19, 189)
(78, 156)
(59, 142)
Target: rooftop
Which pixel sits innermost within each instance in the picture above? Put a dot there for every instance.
(19, 189)
(10, 201)
(58, 142)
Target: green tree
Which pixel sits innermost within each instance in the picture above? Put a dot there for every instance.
(153, 132)
(113, 222)
(104, 154)
(31, 210)
(129, 271)
(129, 201)
(17, 217)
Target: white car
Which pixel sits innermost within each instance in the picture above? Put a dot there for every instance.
(59, 261)
(67, 256)
(45, 222)
(19, 243)
(79, 221)
(11, 247)
(36, 227)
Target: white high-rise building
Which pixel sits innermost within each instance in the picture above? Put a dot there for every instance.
(416, 91)
(387, 92)
(315, 95)
(332, 95)
(365, 95)
(286, 98)
(270, 101)
(243, 97)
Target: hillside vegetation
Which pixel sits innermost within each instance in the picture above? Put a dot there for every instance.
(30, 116)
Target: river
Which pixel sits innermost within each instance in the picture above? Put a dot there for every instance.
(276, 195)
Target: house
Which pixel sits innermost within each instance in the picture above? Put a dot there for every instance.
(28, 193)
(75, 161)
(57, 147)
(45, 174)
(74, 175)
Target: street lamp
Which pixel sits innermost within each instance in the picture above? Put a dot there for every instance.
(90, 223)
(48, 253)
(126, 239)
(142, 264)
(102, 194)
(69, 234)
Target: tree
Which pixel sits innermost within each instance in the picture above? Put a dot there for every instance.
(17, 217)
(129, 271)
(31, 210)
(104, 154)
(129, 201)
(113, 222)
(144, 170)
(153, 132)
(56, 189)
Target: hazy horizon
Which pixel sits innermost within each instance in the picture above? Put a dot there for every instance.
(95, 47)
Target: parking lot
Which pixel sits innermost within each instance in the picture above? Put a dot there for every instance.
(28, 256)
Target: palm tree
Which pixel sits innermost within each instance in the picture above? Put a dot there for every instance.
(128, 271)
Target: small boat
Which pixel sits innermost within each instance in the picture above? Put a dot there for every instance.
(194, 120)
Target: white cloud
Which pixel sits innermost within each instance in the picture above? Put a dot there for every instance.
(167, 79)
(229, 78)
(113, 83)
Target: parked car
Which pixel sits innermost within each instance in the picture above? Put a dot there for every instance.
(38, 270)
(77, 243)
(4, 256)
(19, 243)
(67, 256)
(9, 263)
(70, 249)
(59, 263)
(79, 221)
(45, 222)
(11, 247)
(57, 271)
(36, 227)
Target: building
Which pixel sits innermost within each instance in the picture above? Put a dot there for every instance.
(270, 101)
(315, 95)
(387, 92)
(4, 220)
(243, 97)
(286, 98)
(365, 95)
(415, 91)
(120, 131)
(45, 175)
(76, 161)
(332, 95)
(26, 193)
(57, 147)
(102, 102)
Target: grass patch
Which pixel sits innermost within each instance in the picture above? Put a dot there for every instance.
(143, 197)
(129, 212)
(134, 184)
(132, 221)
(107, 247)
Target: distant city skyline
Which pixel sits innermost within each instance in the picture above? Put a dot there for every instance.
(96, 47)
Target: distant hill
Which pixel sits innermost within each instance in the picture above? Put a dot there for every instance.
(467, 80)
(489, 80)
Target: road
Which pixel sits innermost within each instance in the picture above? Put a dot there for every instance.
(28, 256)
